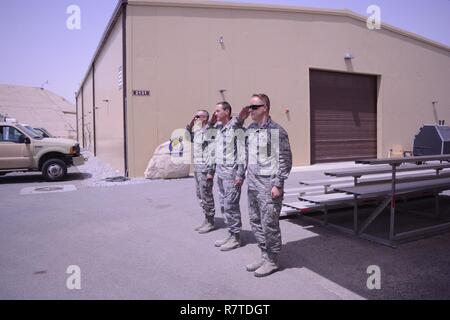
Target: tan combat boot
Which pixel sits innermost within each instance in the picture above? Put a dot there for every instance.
(257, 264)
(202, 225)
(233, 242)
(208, 227)
(269, 266)
(219, 243)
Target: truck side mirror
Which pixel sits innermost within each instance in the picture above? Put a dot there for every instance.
(24, 139)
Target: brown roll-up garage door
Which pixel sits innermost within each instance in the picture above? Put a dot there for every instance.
(343, 116)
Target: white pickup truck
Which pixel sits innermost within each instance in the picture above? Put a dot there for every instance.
(22, 150)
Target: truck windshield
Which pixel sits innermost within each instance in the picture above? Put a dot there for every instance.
(29, 132)
(30, 128)
(44, 132)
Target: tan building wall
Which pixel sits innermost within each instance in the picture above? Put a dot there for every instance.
(173, 50)
(100, 97)
(79, 108)
(88, 96)
(175, 53)
(109, 101)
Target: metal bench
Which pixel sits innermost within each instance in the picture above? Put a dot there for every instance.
(358, 173)
(293, 209)
(390, 191)
(329, 185)
(383, 192)
(398, 161)
(352, 175)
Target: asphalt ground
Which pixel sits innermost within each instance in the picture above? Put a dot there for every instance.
(137, 242)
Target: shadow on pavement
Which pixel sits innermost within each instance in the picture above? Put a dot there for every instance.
(38, 178)
(414, 270)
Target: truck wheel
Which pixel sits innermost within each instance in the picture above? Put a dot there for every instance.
(54, 170)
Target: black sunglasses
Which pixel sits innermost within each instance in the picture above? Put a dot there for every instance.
(255, 106)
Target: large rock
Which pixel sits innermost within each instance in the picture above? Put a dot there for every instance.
(168, 162)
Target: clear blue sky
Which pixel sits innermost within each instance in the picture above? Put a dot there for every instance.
(36, 45)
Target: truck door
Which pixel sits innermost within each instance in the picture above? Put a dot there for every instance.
(14, 152)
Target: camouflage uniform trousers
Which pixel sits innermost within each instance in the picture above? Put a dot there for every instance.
(264, 213)
(205, 196)
(230, 196)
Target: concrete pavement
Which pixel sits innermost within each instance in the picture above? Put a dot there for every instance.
(137, 242)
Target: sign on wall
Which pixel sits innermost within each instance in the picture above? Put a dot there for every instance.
(144, 93)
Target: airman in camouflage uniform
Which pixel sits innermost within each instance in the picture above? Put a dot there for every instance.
(230, 171)
(269, 162)
(199, 135)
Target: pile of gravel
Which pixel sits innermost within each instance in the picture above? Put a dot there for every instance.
(97, 172)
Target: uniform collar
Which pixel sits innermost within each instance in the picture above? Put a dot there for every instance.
(266, 124)
(225, 127)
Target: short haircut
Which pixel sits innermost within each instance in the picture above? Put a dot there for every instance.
(264, 99)
(225, 106)
(204, 111)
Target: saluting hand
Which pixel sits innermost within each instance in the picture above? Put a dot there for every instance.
(213, 119)
(191, 124)
(245, 112)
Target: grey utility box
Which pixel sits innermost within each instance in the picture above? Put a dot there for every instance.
(432, 140)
